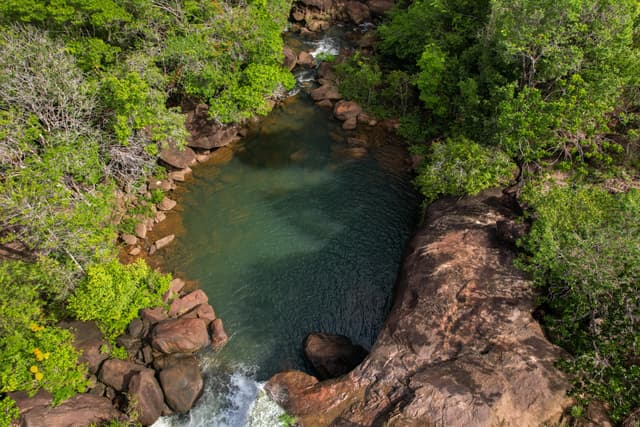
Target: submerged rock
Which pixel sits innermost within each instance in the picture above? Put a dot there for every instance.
(460, 346)
(332, 355)
(161, 243)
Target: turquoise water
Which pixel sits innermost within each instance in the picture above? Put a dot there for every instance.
(293, 235)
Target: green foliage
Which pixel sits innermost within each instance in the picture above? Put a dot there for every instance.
(359, 79)
(93, 54)
(287, 420)
(127, 288)
(9, 411)
(41, 357)
(541, 79)
(458, 167)
(432, 65)
(584, 252)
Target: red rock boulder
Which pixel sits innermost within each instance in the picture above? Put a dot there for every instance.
(347, 110)
(180, 336)
(182, 305)
(145, 397)
(81, 410)
(182, 384)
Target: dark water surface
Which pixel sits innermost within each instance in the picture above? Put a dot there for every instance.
(293, 235)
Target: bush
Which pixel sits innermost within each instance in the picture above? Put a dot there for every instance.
(358, 79)
(458, 167)
(41, 357)
(113, 294)
(584, 253)
(8, 411)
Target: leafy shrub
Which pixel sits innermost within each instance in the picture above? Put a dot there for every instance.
(113, 294)
(458, 167)
(8, 411)
(41, 357)
(584, 253)
(358, 79)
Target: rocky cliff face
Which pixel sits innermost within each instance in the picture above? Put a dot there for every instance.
(460, 346)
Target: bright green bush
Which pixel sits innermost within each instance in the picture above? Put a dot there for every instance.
(113, 294)
(41, 357)
(33, 353)
(458, 167)
(584, 254)
(8, 411)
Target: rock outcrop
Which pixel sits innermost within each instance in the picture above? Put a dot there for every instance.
(81, 410)
(460, 346)
(178, 158)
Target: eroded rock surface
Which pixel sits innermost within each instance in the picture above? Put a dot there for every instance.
(460, 347)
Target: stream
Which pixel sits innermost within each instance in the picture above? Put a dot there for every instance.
(295, 233)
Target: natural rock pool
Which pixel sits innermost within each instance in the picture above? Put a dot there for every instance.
(297, 232)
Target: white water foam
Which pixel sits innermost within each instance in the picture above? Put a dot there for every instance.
(229, 400)
(328, 45)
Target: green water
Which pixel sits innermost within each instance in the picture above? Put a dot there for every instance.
(293, 236)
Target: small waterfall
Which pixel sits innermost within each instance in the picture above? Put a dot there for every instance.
(329, 44)
(232, 398)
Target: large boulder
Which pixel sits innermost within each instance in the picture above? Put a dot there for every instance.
(153, 315)
(346, 110)
(357, 12)
(326, 72)
(180, 336)
(88, 339)
(332, 355)
(117, 373)
(81, 410)
(305, 59)
(26, 403)
(379, 7)
(178, 158)
(460, 346)
(182, 384)
(182, 305)
(327, 91)
(145, 397)
(161, 243)
(217, 136)
(319, 4)
(290, 59)
(202, 311)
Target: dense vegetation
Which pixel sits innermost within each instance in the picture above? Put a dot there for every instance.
(85, 90)
(544, 85)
